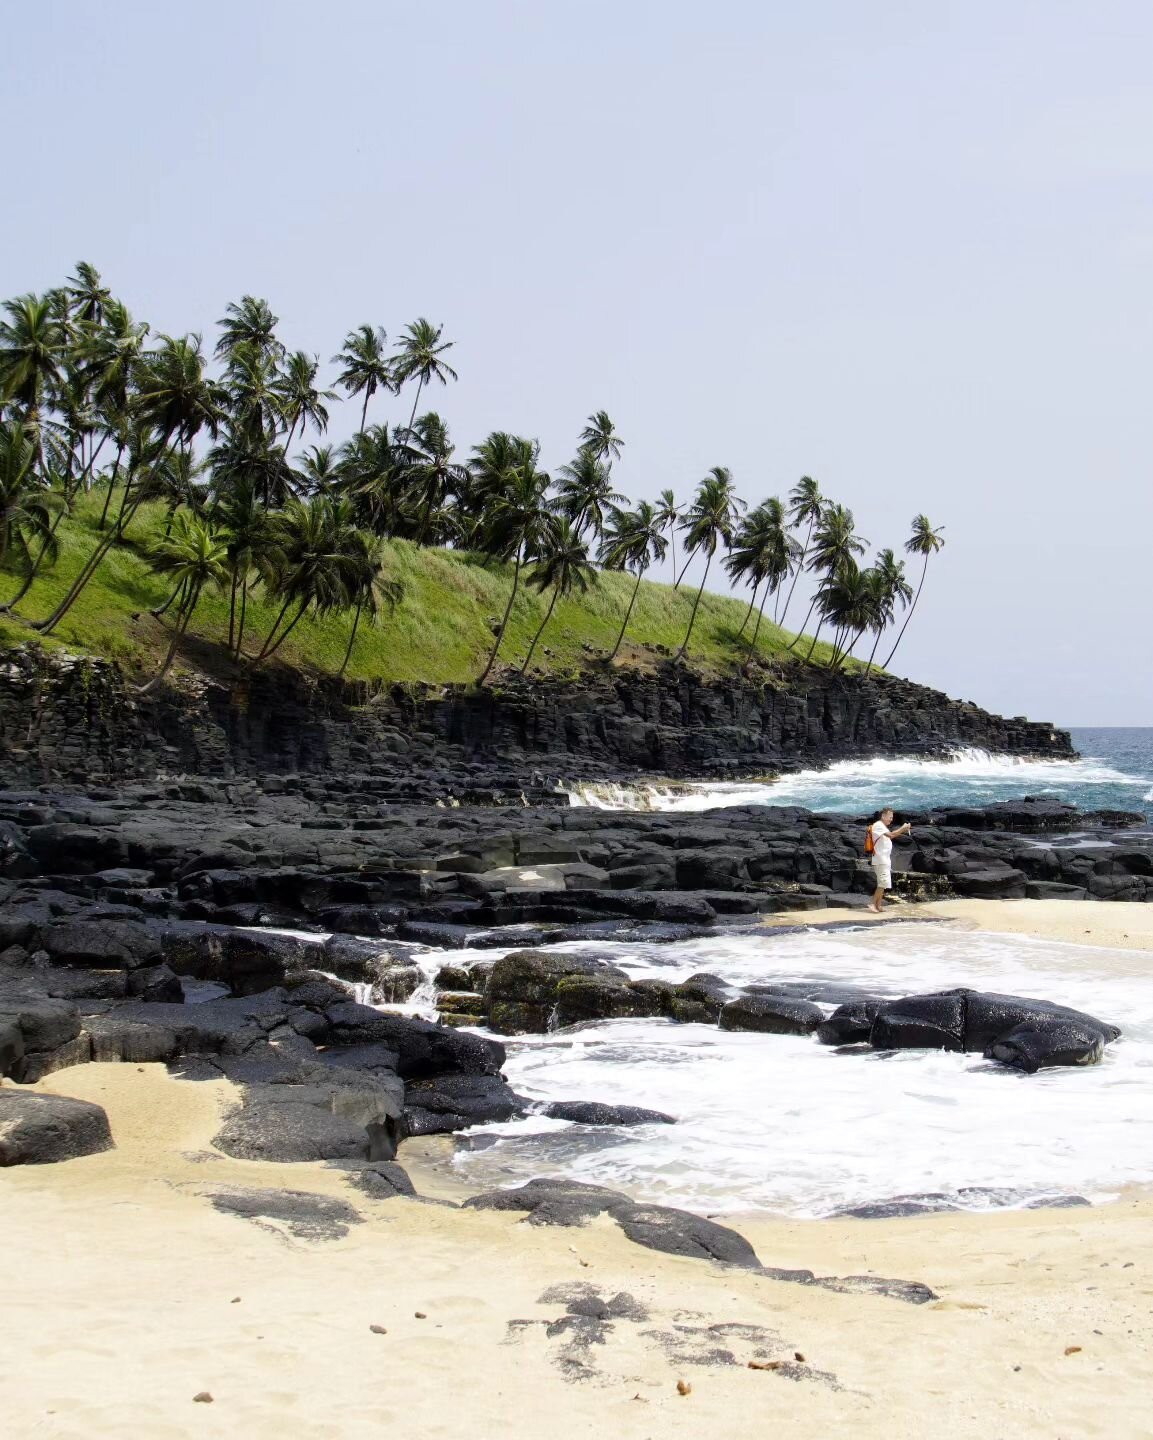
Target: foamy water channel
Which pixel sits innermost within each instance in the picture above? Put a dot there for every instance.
(783, 1123)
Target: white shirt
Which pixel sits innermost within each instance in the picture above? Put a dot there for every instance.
(882, 845)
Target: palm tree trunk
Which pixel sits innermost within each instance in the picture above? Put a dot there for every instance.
(749, 611)
(757, 627)
(156, 614)
(673, 541)
(800, 635)
(112, 479)
(696, 603)
(847, 654)
(90, 567)
(909, 616)
(232, 610)
(504, 622)
(816, 634)
(34, 568)
(688, 562)
(540, 632)
(351, 639)
(264, 650)
(416, 402)
(268, 650)
(243, 616)
(177, 635)
(628, 616)
(364, 410)
(873, 651)
(796, 576)
(288, 439)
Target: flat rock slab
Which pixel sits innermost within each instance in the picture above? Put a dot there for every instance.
(304, 1215)
(41, 1129)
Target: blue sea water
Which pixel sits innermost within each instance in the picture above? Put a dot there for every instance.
(1114, 772)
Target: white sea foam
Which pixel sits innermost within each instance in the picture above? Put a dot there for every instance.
(969, 776)
(783, 1123)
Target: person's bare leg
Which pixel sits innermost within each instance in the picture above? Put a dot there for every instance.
(878, 900)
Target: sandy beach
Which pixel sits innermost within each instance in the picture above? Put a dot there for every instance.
(129, 1294)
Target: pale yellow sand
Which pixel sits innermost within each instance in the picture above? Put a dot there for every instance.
(120, 1282)
(1121, 925)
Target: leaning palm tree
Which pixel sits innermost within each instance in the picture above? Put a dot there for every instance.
(26, 506)
(88, 293)
(515, 518)
(708, 523)
(924, 541)
(892, 589)
(366, 587)
(600, 438)
(632, 540)
(193, 556)
(31, 356)
(307, 564)
(585, 491)
(301, 400)
(420, 350)
(432, 474)
(762, 553)
(835, 543)
(806, 506)
(846, 596)
(668, 513)
(364, 365)
(561, 562)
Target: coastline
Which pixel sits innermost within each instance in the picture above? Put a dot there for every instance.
(1041, 1325)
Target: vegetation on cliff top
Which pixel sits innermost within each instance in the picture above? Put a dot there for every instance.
(151, 504)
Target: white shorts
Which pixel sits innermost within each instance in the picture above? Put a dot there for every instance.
(883, 869)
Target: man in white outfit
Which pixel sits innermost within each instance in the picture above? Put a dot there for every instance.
(883, 855)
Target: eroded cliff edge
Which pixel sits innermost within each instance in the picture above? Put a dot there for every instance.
(80, 719)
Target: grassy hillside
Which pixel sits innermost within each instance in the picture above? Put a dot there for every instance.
(440, 633)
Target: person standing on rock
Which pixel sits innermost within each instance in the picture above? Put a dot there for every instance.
(882, 852)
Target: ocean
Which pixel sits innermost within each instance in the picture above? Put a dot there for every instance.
(783, 1124)
(1115, 772)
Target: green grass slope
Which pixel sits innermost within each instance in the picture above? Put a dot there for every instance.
(440, 633)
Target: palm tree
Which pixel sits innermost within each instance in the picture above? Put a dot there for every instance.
(89, 294)
(249, 322)
(600, 439)
(806, 506)
(318, 467)
(111, 353)
(585, 491)
(307, 566)
(761, 554)
(372, 474)
(707, 524)
(420, 350)
(245, 524)
(835, 542)
(431, 471)
(26, 507)
(924, 541)
(252, 383)
(560, 560)
(846, 596)
(175, 395)
(668, 513)
(365, 366)
(193, 556)
(366, 589)
(514, 520)
(31, 355)
(892, 589)
(301, 402)
(632, 540)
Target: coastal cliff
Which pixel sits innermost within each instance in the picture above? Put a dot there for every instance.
(67, 718)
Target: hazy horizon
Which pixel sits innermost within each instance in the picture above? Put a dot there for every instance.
(905, 250)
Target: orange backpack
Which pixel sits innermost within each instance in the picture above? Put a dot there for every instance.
(869, 847)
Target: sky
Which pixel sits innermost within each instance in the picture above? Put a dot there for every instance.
(904, 247)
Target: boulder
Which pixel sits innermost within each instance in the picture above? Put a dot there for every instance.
(989, 1016)
(771, 1014)
(581, 998)
(291, 1132)
(1032, 1047)
(101, 944)
(247, 961)
(41, 1129)
(991, 884)
(849, 1024)
(921, 1022)
(594, 1112)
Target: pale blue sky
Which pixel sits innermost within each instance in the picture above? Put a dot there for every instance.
(906, 248)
